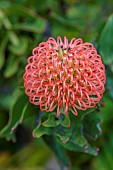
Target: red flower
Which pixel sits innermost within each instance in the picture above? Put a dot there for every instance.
(66, 76)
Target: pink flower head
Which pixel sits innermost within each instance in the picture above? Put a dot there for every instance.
(64, 75)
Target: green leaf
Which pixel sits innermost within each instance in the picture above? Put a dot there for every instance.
(13, 37)
(77, 134)
(83, 113)
(109, 82)
(42, 6)
(66, 121)
(73, 138)
(12, 66)
(63, 133)
(16, 116)
(4, 4)
(106, 42)
(1, 19)
(21, 11)
(74, 23)
(51, 121)
(2, 50)
(73, 147)
(8, 26)
(6, 100)
(54, 125)
(54, 120)
(91, 124)
(77, 148)
(19, 48)
(107, 109)
(41, 130)
(60, 131)
(37, 26)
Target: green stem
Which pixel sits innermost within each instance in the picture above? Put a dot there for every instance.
(58, 150)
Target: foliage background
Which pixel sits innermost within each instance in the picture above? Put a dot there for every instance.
(23, 25)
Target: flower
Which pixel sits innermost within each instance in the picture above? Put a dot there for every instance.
(64, 75)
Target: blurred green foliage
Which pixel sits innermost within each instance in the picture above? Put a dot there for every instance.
(23, 25)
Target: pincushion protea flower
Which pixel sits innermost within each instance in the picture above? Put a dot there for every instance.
(63, 75)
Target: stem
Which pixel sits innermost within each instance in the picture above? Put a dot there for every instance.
(56, 147)
(58, 150)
